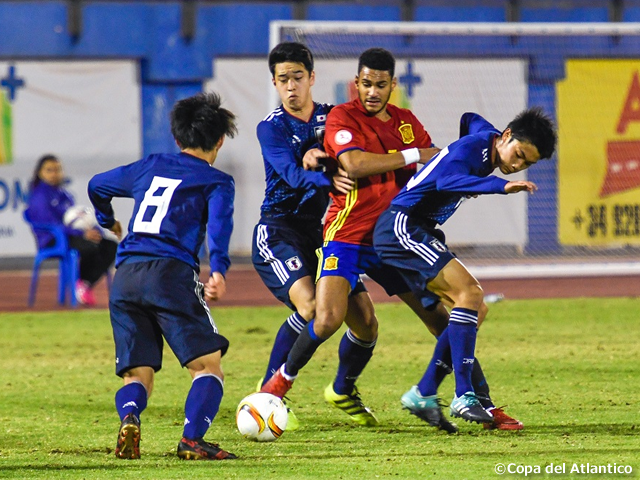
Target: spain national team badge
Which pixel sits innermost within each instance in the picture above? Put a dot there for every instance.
(330, 263)
(407, 133)
(438, 245)
(293, 264)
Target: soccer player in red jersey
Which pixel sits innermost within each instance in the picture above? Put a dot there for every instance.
(378, 144)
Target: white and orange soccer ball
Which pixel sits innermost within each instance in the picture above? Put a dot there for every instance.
(261, 417)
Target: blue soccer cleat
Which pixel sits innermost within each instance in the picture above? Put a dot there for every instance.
(427, 409)
(469, 408)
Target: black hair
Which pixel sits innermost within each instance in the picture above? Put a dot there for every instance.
(290, 52)
(200, 122)
(377, 59)
(35, 179)
(534, 127)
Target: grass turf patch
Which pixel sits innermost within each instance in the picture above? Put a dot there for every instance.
(566, 368)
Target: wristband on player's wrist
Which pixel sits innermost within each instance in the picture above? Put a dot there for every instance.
(411, 156)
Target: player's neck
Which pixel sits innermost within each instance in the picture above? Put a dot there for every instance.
(208, 156)
(383, 115)
(303, 113)
(494, 151)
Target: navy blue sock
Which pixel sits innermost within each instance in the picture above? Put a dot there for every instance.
(302, 351)
(439, 367)
(480, 385)
(202, 405)
(462, 336)
(286, 337)
(354, 355)
(131, 398)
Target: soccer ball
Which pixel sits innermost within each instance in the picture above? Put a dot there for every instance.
(80, 218)
(261, 417)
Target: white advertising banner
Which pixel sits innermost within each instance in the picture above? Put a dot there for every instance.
(87, 113)
(437, 91)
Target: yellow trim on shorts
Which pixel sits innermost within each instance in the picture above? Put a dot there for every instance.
(320, 261)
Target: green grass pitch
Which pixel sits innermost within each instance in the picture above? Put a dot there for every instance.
(567, 368)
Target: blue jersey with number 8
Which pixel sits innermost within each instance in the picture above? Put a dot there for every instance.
(178, 199)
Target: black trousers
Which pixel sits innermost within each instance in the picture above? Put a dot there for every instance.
(95, 258)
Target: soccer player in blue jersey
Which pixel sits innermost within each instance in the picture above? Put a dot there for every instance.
(296, 196)
(406, 237)
(156, 290)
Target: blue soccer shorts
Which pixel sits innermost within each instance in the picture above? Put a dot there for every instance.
(416, 251)
(282, 255)
(160, 298)
(349, 261)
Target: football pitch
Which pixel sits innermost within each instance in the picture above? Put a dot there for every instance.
(567, 368)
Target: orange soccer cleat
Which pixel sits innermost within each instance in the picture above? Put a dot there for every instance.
(277, 385)
(502, 421)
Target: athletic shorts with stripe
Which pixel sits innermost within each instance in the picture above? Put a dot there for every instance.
(160, 298)
(348, 260)
(413, 249)
(283, 254)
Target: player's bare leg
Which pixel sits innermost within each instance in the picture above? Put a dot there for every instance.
(332, 295)
(356, 348)
(303, 296)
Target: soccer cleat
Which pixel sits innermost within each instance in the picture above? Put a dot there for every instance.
(128, 445)
(502, 421)
(277, 385)
(198, 449)
(352, 405)
(292, 423)
(469, 408)
(427, 409)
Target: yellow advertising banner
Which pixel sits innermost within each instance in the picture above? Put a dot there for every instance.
(599, 153)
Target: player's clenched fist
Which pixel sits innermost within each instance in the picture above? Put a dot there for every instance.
(215, 287)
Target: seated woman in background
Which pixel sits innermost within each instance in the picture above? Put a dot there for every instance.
(48, 202)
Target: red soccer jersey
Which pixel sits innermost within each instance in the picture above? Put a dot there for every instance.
(352, 217)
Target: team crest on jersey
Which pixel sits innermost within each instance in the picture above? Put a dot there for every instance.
(438, 245)
(330, 263)
(343, 137)
(406, 130)
(319, 132)
(293, 264)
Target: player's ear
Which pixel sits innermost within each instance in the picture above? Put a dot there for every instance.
(312, 78)
(394, 82)
(506, 135)
(273, 80)
(356, 80)
(220, 142)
